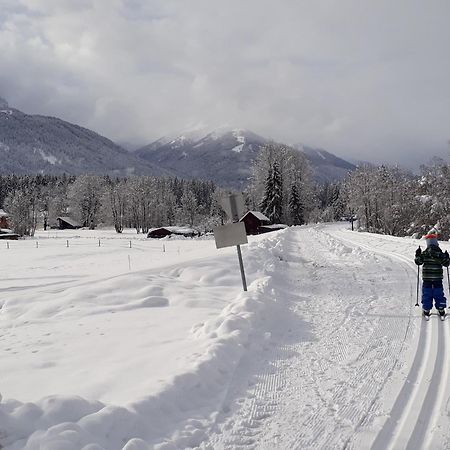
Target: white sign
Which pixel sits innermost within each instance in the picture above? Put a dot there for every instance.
(231, 234)
(234, 206)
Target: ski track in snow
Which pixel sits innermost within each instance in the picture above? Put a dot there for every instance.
(414, 417)
(297, 402)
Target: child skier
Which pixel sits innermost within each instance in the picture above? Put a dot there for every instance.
(432, 259)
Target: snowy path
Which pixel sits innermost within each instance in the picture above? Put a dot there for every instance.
(369, 376)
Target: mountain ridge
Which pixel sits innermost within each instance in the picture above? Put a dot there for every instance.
(226, 155)
(45, 144)
(32, 144)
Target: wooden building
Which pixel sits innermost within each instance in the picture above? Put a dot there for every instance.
(8, 234)
(172, 231)
(253, 220)
(4, 219)
(67, 223)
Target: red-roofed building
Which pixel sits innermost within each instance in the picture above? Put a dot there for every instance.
(4, 219)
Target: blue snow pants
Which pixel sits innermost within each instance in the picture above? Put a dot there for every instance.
(433, 289)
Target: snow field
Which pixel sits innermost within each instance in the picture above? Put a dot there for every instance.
(121, 358)
(325, 350)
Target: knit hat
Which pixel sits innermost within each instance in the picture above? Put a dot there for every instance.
(432, 237)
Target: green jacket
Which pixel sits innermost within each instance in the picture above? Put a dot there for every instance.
(432, 258)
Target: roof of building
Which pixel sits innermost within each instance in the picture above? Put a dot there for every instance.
(3, 213)
(275, 226)
(176, 230)
(69, 220)
(257, 214)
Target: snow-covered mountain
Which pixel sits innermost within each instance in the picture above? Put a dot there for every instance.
(327, 167)
(41, 144)
(226, 155)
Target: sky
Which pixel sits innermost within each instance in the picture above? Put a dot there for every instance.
(366, 80)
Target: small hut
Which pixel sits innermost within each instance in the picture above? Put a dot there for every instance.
(172, 231)
(4, 219)
(6, 233)
(67, 223)
(253, 220)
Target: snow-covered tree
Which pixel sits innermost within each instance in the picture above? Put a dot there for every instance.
(189, 207)
(272, 202)
(293, 168)
(22, 207)
(296, 207)
(116, 201)
(85, 196)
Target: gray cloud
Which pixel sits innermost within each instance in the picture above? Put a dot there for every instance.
(366, 80)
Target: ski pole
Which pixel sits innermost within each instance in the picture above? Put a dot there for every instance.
(417, 299)
(448, 280)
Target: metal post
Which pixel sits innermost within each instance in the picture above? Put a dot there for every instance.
(235, 218)
(241, 266)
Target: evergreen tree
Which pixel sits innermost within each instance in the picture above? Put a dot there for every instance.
(296, 208)
(272, 202)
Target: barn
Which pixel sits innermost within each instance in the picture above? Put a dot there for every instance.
(253, 220)
(4, 219)
(5, 233)
(172, 231)
(67, 223)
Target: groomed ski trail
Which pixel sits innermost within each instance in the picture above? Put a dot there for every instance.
(326, 384)
(419, 418)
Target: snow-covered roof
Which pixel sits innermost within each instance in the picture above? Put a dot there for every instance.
(257, 214)
(69, 220)
(275, 226)
(176, 230)
(3, 213)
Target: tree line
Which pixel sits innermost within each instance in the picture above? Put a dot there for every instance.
(138, 202)
(384, 199)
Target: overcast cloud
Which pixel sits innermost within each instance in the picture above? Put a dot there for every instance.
(362, 79)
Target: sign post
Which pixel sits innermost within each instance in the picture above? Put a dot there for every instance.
(234, 233)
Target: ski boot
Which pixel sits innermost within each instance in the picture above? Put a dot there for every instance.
(442, 314)
(426, 314)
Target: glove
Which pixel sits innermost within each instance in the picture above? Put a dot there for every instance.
(419, 252)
